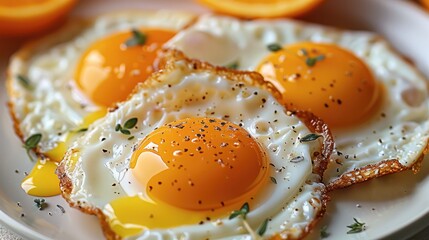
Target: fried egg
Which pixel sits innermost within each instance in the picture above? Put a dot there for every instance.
(375, 103)
(62, 83)
(192, 145)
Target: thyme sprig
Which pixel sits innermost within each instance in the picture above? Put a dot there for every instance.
(31, 143)
(356, 227)
(138, 38)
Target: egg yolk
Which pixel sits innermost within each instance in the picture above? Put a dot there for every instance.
(42, 180)
(200, 164)
(110, 68)
(324, 79)
(193, 170)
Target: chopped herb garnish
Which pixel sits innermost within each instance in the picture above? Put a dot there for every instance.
(273, 179)
(310, 137)
(31, 143)
(131, 138)
(40, 203)
(312, 61)
(25, 82)
(324, 232)
(262, 228)
(138, 38)
(356, 227)
(130, 123)
(274, 47)
(242, 212)
(233, 65)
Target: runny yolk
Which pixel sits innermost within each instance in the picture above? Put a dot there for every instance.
(200, 164)
(194, 170)
(109, 69)
(325, 79)
(42, 180)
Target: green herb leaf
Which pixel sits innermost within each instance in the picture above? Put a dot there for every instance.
(130, 123)
(138, 38)
(323, 232)
(262, 228)
(242, 212)
(233, 65)
(274, 47)
(40, 203)
(118, 127)
(131, 138)
(356, 227)
(25, 82)
(312, 61)
(125, 131)
(32, 141)
(310, 137)
(273, 179)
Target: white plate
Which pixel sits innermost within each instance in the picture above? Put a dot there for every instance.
(394, 207)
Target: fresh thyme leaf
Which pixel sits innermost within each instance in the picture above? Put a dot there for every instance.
(312, 61)
(356, 227)
(138, 38)
(130, 123)
(131, 138)
(118, 127)
(273, 179)
(310, 137)
(262, 228)
(242, 212)
(25, 82)
(40, 203)
(125, 131)
(324, 232)
(274, 47)
(31, 143)
(233, 65)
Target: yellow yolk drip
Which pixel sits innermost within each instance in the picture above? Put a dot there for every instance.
(109, 69)
(325, 79)
(194, 170)
(42, 180)
(131, 215)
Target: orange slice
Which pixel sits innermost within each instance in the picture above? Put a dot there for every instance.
(27, 17)
(425, 3)
(262, 8)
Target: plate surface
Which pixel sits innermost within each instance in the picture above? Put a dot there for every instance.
(393, 207)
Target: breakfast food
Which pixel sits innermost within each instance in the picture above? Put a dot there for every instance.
(60, 84)
(192, 144)
(375, 103)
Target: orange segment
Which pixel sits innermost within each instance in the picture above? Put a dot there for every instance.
(261, 8)
(27, 17)
(425, 3)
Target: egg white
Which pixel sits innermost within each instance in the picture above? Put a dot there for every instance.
(292, 205)
(53, 106)
(394, 139)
